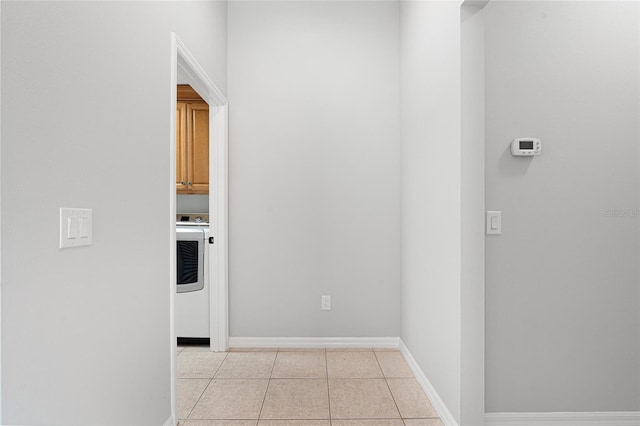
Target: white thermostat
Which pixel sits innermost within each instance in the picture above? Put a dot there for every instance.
(526, 146)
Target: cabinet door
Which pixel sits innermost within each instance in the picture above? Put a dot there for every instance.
(198, 148)
(181, 148)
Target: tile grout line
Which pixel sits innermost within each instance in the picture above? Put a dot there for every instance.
(273, 366)
(208, 384)
(271, 377)
(326, 367)
(199, 398)
(386, 381)
(226, 355)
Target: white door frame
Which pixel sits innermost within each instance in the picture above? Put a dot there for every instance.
(181, 58)
(0, 238)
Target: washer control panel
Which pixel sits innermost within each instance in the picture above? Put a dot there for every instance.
(192, 219)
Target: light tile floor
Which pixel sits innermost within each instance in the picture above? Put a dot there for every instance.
(299, 387)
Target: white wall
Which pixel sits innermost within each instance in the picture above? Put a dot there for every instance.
(431, 192)
(85, 123)
(562, 280)
(192, 203)
(314, 169)
(472, 215)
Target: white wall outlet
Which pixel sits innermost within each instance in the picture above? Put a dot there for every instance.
(76, 227)
(325, 303)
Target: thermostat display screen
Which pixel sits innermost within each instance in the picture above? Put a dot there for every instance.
(526, 144)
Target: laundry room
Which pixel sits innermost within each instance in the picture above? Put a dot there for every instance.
(191, 311)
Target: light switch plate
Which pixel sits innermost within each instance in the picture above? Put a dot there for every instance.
(76, 227)
(494, 222)
(325, 303)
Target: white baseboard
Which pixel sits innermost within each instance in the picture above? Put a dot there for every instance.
(169, 422)
(601, 418)
(438, 404)
(314, 342)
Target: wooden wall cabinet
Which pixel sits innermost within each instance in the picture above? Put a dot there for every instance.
(192, 143)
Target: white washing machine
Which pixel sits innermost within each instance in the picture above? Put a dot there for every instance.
(192, 289)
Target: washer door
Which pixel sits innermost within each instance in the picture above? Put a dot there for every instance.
(190, 258)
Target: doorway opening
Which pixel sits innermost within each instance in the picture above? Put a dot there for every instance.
(183, 63)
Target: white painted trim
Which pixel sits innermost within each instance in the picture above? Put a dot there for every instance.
(480, 4)
(314, 342)
(1, 422)
(438, 404)
(170, 422)
(612, 418)
(172, 223)
(197, 78)
(294, 1)
(219, 204)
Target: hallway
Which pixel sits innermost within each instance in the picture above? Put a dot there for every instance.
(310, 387)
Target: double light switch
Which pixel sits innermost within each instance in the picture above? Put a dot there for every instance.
(75, 227)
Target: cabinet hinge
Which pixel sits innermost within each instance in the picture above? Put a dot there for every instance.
(210, 240)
